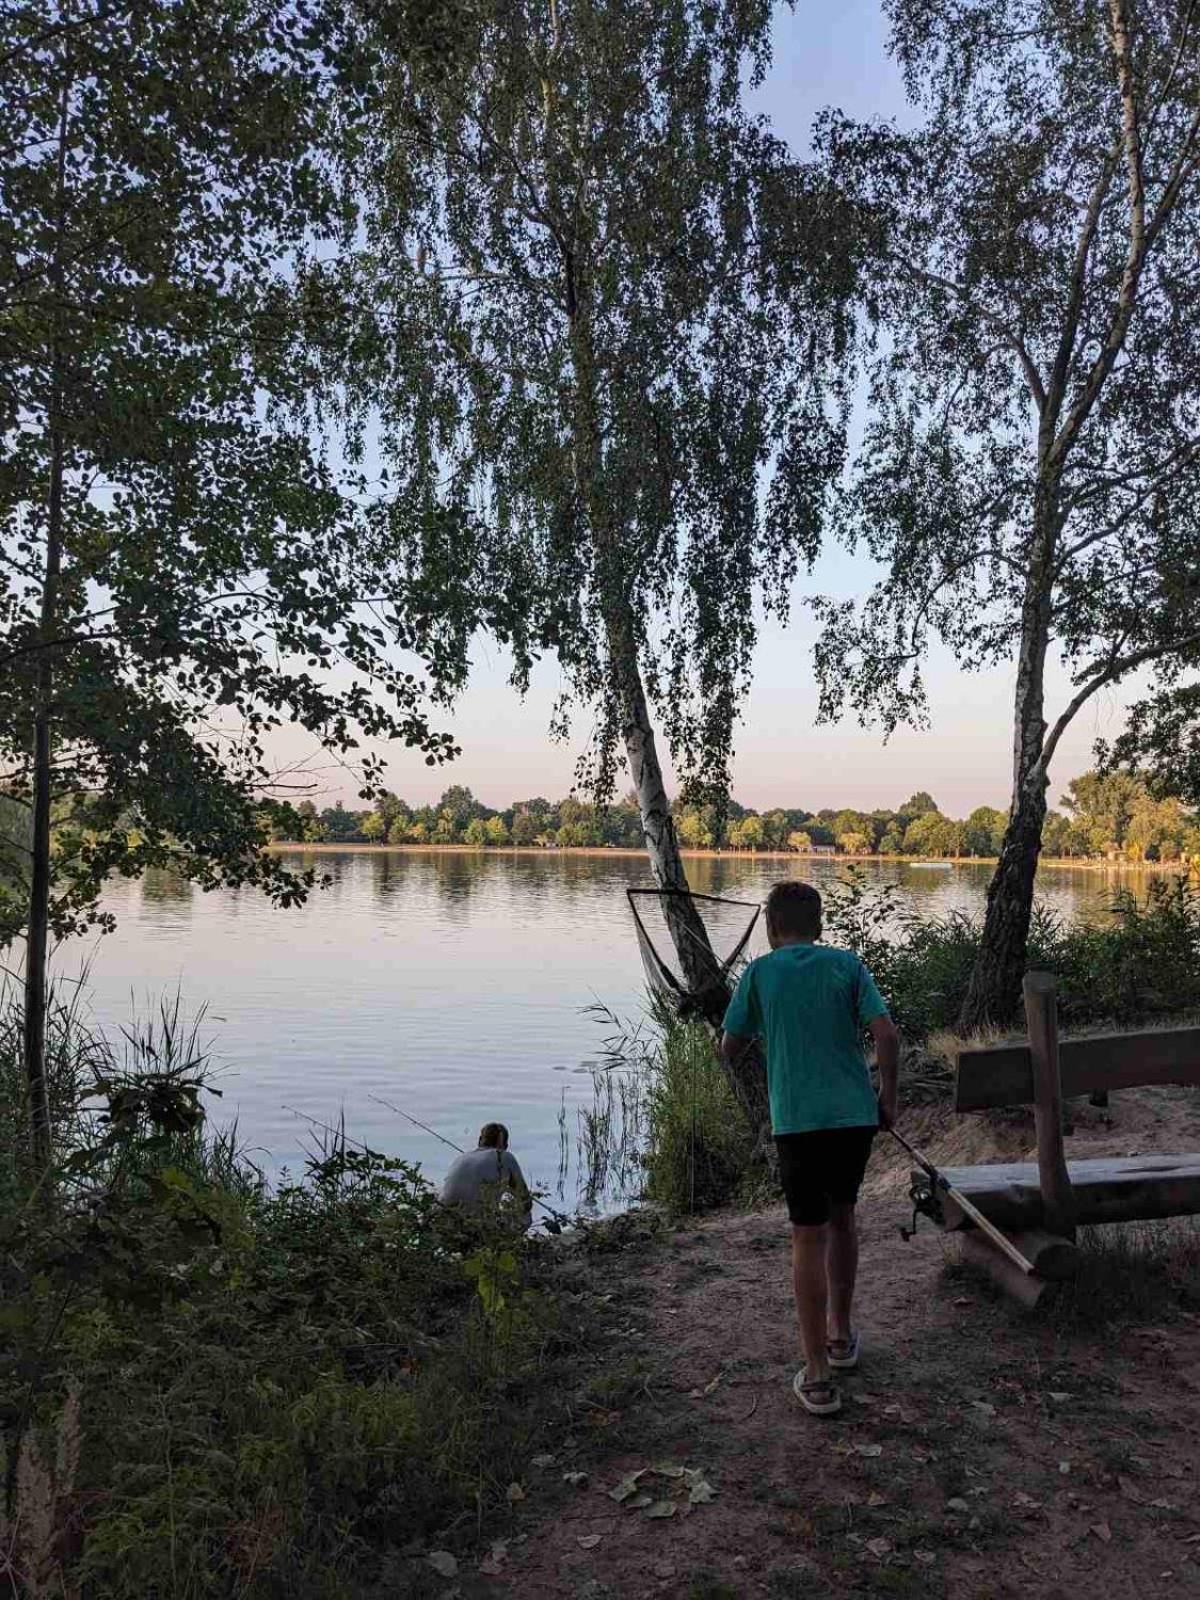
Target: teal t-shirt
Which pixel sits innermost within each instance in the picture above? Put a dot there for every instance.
(809, 1003)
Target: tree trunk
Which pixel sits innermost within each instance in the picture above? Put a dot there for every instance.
(38, 929)
(994, 991)
(698, 961)
(37, 934)
(995, 988)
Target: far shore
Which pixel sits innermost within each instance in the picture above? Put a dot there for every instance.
(1076, 863)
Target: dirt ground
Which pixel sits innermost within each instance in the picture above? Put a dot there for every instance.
(982, 1451)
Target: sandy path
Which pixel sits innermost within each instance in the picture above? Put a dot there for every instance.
(982, 1451)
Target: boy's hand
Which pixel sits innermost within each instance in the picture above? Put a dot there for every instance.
(887, 1108)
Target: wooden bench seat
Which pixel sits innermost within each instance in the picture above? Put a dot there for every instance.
(1033, 1208)
(1106, 1189)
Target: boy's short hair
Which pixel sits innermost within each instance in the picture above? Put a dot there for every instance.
(493, 1136)
(794, 909)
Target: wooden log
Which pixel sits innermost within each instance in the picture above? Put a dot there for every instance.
(1002, 1075)
(1051, 1255)
(1104, 1189)
(1029, 1290)
(1041, 1017)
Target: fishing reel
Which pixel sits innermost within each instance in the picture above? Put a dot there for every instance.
(926, 1202)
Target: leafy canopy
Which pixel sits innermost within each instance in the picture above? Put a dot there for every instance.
(169, 168)
(1033, 432)
(602, 300)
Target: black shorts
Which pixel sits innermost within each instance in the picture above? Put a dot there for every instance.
(822, 1169)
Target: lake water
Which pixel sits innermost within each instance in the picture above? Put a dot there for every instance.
(454, 985)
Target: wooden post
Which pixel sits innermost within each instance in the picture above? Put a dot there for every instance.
(1041, 1016)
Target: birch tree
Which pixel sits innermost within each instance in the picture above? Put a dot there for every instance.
(1031, 462)
(606, 301)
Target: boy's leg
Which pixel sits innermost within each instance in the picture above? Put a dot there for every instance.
(841, 1247)
(810, 1282)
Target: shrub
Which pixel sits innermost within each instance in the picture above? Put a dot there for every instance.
(1143, 963)
(272, 1392)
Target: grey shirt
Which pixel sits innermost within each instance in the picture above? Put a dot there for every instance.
(478, 1179)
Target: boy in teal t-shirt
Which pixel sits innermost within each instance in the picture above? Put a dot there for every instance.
(811, 1005)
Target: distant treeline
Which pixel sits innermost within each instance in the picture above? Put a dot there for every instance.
(1107, 816)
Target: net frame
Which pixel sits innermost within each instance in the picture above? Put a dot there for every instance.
(662, 980)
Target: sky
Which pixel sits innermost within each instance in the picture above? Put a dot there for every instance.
(823, 55)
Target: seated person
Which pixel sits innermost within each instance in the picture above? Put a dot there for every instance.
(480, 1180)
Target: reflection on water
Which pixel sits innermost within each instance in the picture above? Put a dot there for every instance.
(453, 984)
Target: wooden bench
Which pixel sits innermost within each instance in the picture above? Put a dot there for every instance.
(1041, 1203)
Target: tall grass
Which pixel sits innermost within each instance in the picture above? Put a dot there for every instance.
(679, 1117)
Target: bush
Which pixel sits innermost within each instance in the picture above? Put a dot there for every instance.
(248, 1391)
(1143, 963)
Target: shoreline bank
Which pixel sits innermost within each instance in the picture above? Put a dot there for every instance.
(602, 852)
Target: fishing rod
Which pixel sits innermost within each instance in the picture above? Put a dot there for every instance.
(929, 1202)
(558, 1216)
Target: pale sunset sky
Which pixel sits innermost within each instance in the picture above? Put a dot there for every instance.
(824, 54)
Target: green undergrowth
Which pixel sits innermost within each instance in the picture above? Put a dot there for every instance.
(1141, 964)
(211, 1387)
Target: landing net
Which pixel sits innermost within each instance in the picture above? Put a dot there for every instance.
(708, 999)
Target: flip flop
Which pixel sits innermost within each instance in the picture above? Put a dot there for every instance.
(850, 1347)
(820, 1396)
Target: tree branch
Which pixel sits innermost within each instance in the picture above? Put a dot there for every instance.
(1011, 339)
(1141, 235)
(1116, 668)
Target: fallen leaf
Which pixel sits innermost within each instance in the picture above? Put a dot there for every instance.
(709, 1387)
(660, 1510)
(1102, 1531)
(667, 1469)
(639, 1502)
(1059, 1396)
(879, 1547)
(876, 1499)
(957, 1504)
(587, 1541)
(626, 1487)
(492, 1564)
(575, 1479)
(513, 1493)
(701, 1493)
(443, 1563)
(871, 1451)
(925, 1557)
(1025, 1502)
(542, 1462)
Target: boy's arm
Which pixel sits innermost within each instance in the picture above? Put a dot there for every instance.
(740, 1021)
(887, 1059)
